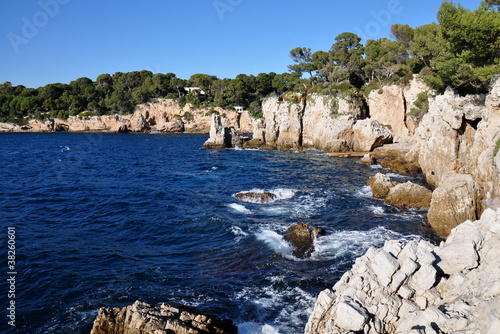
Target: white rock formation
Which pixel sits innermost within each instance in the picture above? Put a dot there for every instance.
(370, 134)
(390, 105)
(419, 288)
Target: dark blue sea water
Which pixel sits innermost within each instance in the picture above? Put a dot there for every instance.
(106, 219)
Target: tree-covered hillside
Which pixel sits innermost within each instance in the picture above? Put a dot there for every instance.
(462, 51)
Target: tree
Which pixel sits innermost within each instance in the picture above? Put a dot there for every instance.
(346, 59)
(303, 59)
(384, 58)
(473, 35)
(403, 34)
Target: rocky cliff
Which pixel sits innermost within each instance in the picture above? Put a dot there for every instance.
(327, 123)
(162, 115)
(392, 106)
(456, 145)
(418, 288)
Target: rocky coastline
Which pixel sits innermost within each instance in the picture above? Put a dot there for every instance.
(400, 288)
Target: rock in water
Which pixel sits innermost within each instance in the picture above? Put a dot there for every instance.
(409, 195)
(381, 184)
(217, 134)
(301, 238)
(256, 197)
(140, 318)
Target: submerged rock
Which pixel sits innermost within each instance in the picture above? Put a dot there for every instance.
(301, 237)
(256, 197)
(141, 318)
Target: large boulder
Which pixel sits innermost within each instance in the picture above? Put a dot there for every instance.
(301, 237)
(370, 134)
(141, 318)
(381, 184)
(409, 195)
(455, 201)
(415, 287)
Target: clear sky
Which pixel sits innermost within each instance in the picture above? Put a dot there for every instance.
(47, 41)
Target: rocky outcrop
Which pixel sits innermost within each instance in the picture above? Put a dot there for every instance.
(319, 122)
(217, 137)
(328, 122)
(457, 200)
(409, 195)
(370, 134)
(460, 134)
(415, 287)
(302, 237)
(380, 185)
(391, 106)
(256, 197)
(141, 318)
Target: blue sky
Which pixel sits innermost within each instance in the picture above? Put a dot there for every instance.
(47, 41)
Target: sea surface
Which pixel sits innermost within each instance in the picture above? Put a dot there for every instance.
(106, 219)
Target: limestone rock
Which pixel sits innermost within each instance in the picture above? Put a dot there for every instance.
(256, 197)
(350, 317)
(368, 159)
(391, 104)
(459, 134)
(380, 185)
(140, 318)
(398, 166)
(370, 134)
(409, 195)
(454, 202)
(217, 134)
(419, 288)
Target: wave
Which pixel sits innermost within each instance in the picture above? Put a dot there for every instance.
(277, 243)
(352, 244)
(240, 208)
(270, 309)
(364, 192)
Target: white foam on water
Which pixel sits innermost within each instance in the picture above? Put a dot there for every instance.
(256, 328)
(240, 208)
(284, 193)
(377, 210)
(277, 243)
(64, 148)
(352, 244)
(376, 167)
(364, 192)
(290, 307)
(236, 230)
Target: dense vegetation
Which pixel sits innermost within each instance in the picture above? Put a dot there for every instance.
(462, 51)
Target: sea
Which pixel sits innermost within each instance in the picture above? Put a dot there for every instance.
(102, 220)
